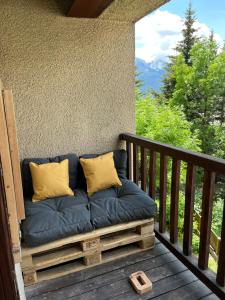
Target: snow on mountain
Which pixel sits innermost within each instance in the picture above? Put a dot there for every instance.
(151, 74)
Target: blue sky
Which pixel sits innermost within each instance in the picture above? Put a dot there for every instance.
(158, 33)
(210, 12)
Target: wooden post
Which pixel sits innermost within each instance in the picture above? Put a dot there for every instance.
(147, 233)
(174, 206)
(148, 242)
(14, 151)
(163, 191)
(91, 244)
(220, 278)
(8, 181)
(152, 174)
(93, 251)
(143, 169)
(206, 220)
(129, 160)
(30, 277)
(135, 164)
(145, 229)
(29, 272)
(189, 208)
(8, 289)
(93, 259)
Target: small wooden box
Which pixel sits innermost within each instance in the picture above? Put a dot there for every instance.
(140, 282)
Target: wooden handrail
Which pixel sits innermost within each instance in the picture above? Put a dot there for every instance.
(149, 152)
(198, 159)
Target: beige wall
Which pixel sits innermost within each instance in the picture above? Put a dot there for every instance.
(72, 79)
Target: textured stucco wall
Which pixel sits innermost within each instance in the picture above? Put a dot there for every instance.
(131, 10)
(72, 79)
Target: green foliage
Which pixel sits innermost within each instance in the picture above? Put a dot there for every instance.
(169, 80)
(217, 212)
(200, 93)
(165, 124)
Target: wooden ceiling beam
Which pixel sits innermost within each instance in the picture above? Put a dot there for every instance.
(88, 8)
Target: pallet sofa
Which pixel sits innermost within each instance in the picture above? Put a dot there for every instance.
(67, 234)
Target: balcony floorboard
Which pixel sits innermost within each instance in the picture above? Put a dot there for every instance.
(170, 278)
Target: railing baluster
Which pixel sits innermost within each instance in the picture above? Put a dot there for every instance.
(143, 169)
(135, 163)
(189, 209)
(220, 278)
(206, 220)
(174, 204)
(163, 189)
(129, 167)
(152, 174)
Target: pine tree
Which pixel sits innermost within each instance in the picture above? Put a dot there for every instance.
(138, 86)
(169, 81)
(199, 91)
(184, 47)
(189, 37)
(212, 37)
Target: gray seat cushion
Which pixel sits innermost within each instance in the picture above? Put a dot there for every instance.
(56, 218)
(118, 205)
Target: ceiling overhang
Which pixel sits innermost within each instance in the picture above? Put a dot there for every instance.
(116, 10)
(88, 9)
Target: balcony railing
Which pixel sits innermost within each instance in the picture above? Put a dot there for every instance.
(148, 152)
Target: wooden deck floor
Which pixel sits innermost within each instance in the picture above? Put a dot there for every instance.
(170, 278)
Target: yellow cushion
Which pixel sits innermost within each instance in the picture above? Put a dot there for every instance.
(100, 173)
(50, 180)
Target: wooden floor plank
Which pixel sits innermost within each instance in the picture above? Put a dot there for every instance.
(56, 284)
(108, 278)
(159, 288)
(170, 278)
(117, 289)
(192, 291)
(210, 297)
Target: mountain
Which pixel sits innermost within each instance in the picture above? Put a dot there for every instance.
(150, 73)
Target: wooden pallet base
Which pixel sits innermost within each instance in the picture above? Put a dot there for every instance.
(82, 251)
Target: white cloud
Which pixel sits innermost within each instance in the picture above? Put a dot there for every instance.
(158, 33)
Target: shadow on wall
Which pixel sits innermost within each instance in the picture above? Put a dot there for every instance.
(62, 6)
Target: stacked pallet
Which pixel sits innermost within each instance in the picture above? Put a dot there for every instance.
(81, 251)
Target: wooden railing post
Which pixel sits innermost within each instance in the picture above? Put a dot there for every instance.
(152, 174)
(205, 228)
(135, 163)
(174, 204)
(220, 278)
(163, 190)
(143, 169)
(189, 208)
(129, 160)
